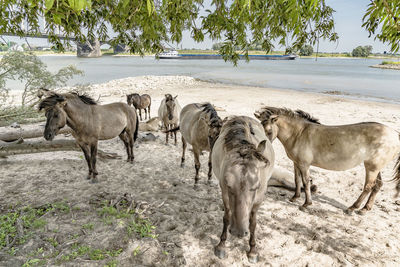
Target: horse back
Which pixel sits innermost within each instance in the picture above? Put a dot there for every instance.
(112, 119)
(193, 128)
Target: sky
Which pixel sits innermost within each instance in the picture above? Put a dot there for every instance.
(348, 21)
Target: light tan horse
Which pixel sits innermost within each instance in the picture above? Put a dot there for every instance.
(200, 126)
(89, 123)
(168, 112)
(140, 102)
(308, 143)
(243, 161)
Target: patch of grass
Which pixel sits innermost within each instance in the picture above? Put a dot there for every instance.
(136, 251)
(142, 227)
(88, 226)
(53, 242)
(21, 115)
(94, 254)
(391, 63)
(16, 225)
(112, 263)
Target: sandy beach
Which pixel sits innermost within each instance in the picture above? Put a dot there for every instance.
(189, 222)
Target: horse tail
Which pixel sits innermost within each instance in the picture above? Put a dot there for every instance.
(135, 134)
(172, 130)
(396, 176)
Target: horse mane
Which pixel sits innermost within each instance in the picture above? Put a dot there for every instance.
(215, 120)
(236, 139)
(55, 98)
(269, 111)
(85, 98)
(51, 101)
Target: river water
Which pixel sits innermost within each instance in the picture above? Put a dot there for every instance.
(352, 77)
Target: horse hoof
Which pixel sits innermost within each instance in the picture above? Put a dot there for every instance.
(89, 176)
(220, 253)
(361, 212)
(253, 258)
(293, 199)
(303, 208)
(196, 187)
(314, 188)
(349, 211)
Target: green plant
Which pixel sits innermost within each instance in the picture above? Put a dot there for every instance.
(136, 251)
(88, 226)
(391, 63)
(142, 227)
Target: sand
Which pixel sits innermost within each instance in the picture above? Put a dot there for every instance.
(189, 222)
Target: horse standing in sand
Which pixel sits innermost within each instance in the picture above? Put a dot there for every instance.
(89, 123)
(309, 143)
(140, 102)
(200, 126)
(168, 112)
(243, 161)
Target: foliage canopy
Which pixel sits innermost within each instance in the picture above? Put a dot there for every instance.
(146, 25)
(362, 51)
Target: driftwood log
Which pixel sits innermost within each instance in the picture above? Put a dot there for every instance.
(9, 134)
(27, 147)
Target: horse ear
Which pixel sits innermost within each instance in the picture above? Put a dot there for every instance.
(166, 96)
(261, 146)
(257, 114)
(175, 97)
(273, 118)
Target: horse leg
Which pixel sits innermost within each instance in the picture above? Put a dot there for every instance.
(183, 152)
(166, 137)
(85, 150)
(174, 126)
(149, 111)
(370, 180)
(130, 144)
(371, 199)
(219, 250)
(196, 154)
(123, 137)
(140, 114)
(297, 180)
(252, 255)
(305, 175)
(145, 113)
(209, 168)
(93, 155)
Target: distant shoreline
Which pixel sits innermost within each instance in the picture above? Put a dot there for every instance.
(388, 66)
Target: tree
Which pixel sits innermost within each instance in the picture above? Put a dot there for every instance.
(145, 25)
(29, 69)
(362, 51)
(384, 15)
(306, 50)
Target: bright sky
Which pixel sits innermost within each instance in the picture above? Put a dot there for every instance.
(348, 21)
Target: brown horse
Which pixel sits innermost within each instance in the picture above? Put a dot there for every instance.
(309, 143)
(200, 126)
(140, 102)
(243, 161)
(168, 112)
(89, 123)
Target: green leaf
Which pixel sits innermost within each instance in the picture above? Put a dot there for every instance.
(49, 4)
(149, 7)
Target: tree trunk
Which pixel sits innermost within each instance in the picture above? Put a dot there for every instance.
(9, 134)
(21, 147)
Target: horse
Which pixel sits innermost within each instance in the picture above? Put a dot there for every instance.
(243, 161)
(140, 102)
(168, 112)
(90, 122)
(200, 126)
(308, 143)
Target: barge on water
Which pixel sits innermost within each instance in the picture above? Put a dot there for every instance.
(175, 55)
